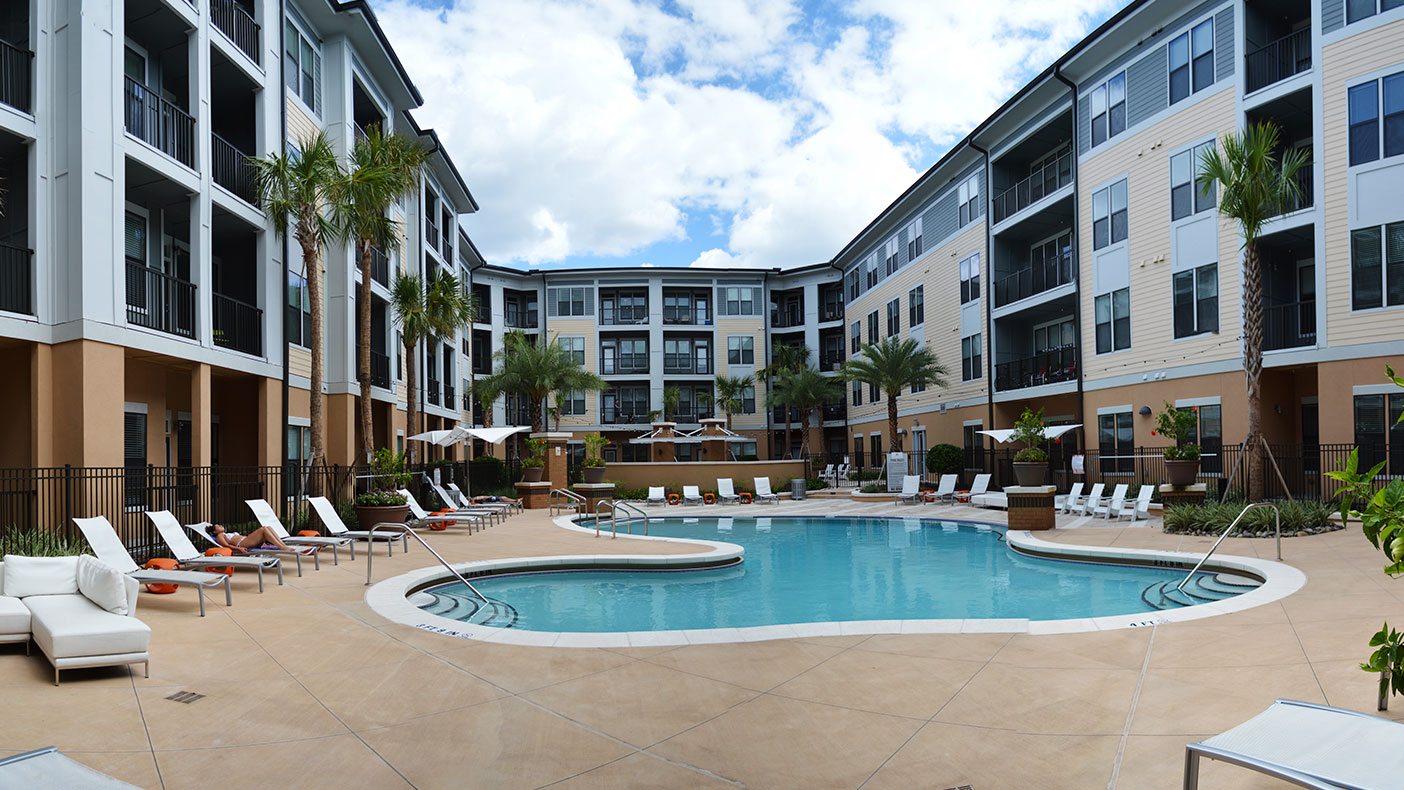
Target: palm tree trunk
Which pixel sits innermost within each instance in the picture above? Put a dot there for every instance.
(1253, 365)
(535, 415)
(363, 364)
(892, 445)
(411, 396)
(785, 452)
(310, 260)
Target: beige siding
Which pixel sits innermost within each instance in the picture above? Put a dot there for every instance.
(1144, 158)
(1343, 62)
(755, 327)
(581, 327)
(301, 126)
(299, 361)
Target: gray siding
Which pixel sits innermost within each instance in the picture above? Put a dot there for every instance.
(1084, 125)
(1147, 86)
(1332, 15)
(940, 220)
(1170, 30)
(1223, 44)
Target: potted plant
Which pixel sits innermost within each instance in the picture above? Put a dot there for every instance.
(1030, 463)
(535, 463)
(594, 464)
(1182, 457)
(383, 503)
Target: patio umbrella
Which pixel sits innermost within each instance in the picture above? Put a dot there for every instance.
(1004, 435)
(432, 437)
(490, 435)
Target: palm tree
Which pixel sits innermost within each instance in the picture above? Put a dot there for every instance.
(892, 365)
(383, 168)
(486, 391)
(784, 358)
(537, 370)
(730, 391)
(433, 313)
(672, 395)
(294, 189)
(808, 390)
(777, 395)
(1256, 184)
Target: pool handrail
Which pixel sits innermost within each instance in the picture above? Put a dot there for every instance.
(1277, 514)
(572, 500)
(614, 507)
(406, 530)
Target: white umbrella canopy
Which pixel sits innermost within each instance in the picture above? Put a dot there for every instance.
(432, 437)
(1003, 435)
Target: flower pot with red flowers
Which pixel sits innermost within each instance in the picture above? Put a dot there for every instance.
(383, 503)
(1181, 458)
(1030, 463)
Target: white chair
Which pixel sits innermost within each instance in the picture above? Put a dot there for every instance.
(945, 490)
(108, 548)
(493, 512)
(1118, 498)
(763, 492)
(911, 489)
(190, 557)
(726, 492)
(330, 519)
(692, 495)
(296, 552)
(421, 517)
(1094, 498)
(977, 488)
(509, 504)
(1139, 508)
(656, 496)
(264, 515)
(829, 475)
(1070, 500)
(842, 474)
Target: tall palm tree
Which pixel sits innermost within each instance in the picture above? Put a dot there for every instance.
(1256, 183)
(672, 396)
(784, 358)
(383, 168)
(295, 190)
(730, 390)
(536, 370)
(778, 395)
(808, 390)
(892, 365)
(486, 391)
(431, 313)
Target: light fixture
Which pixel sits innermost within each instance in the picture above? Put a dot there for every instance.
(1145, 411)
(1277, 407)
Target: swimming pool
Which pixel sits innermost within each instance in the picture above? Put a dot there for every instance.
(808, 570)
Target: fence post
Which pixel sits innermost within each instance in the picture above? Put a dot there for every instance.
(67, 509)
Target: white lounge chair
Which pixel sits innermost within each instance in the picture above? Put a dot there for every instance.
(842, 473)
(1094, 498)
(1118, 498)
(421, 517)
(829, 475)
(450, 503)
(977, 488)
(1066, 502)
(264, 515)
(1138, 508)
(330, 519)
(190, 557)
(726, 492)
(763, 492)
(108, 548)
(49, 767)
(296, 552)
(945, 489)
(1308, 745)
(911, 489)
(692, 495)
(466, 501)
(656, 496)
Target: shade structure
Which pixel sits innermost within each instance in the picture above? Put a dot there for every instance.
(489, 435)
(690, 437)
(432, 437)
(1003, 435)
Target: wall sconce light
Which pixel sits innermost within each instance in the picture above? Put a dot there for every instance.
(1145, 411)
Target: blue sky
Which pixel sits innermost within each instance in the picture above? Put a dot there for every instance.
(758, 133)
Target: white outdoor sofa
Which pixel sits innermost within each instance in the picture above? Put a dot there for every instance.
(80, 611)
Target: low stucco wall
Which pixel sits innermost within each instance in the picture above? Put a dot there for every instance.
(703, 474)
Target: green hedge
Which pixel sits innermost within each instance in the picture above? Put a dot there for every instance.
(1212, 518)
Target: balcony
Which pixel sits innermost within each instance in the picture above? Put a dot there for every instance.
(380, 267)
(1050, 178)
(1283, 58)
(431, 235)
(1290, 325)
(468, 397)
(835, 411)
(16, 280)
(159, 301)
(16, 77)
(830, 362)
(831, 312)
(237, 24)
(380, 369)
(695, 414)
(230, 169)
(613, 416)
(164, 126)
(446, 245)
(433, 392)
(685, 366)
(450, 397)
(1033, 280)
(626, 364)
(238, 326)
(777, 415)
(1049, 367)
(632, 315)
(1304, 199)
(787, 317)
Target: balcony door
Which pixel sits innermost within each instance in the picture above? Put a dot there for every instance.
(1306, 297)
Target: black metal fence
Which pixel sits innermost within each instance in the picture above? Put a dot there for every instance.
(16, 77)
(238, 325)
(230, 168)
(16, 279)
(1278, 60)
(238, 24)
(165, 126)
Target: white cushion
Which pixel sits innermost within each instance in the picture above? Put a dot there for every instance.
(70, 625)
(103, 584)
(25, 576)
(14, 616)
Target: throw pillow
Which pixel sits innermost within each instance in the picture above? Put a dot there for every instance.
(102, 584)
(26, 576)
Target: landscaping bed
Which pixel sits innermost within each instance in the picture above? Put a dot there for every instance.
(1299, 519)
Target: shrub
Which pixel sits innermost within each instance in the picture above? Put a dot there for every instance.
(1031, 455)
(40, 543)
(944, 459)
(381, 498)
(388, 468)
(1215, 517)
(594, 442)
(874, 488)
(814, 484)
(486, 472)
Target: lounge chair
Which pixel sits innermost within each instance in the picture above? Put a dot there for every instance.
(692, 495)
(49, 767)
(421, 518)
(493, 512)
(1138, 508)
(467, 501)
(190, 557)
(1308, 745)
(656, 496)
(726, 492)
(911, 489)
(1070, 500)
(763, 492)
(829, 475)
(330, 519)
(108, 548)
(842, 474)
(1094, 498)
(296, 552)
(977, 488)
(945, 490)
(264, 515)
(1118, 498)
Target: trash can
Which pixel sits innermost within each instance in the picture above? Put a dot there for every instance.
(797, 488)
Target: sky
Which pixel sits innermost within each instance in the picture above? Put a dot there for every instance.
(709, 133)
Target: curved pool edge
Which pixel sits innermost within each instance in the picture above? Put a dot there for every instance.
(390, 598)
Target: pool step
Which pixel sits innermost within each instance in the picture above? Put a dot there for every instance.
(465, 607)
(1203, 588)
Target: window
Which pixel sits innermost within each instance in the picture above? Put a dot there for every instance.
(1378, 433)
(134, 457)
(1115, 443)
(1192, 61)
(914, 240)
(1357, 10)
(1377, 267)
(567, 301)
(1109, 109)
(748, 399)
(740, 350)
(970, 279)
(1109, 222)
(1367, 135)
(739, 301)
(916, 306)
(875, 442)
(623, 307)
(1196, 300)
(890, 259)
(1055, 336)
(857, 393)
(576, 347)
(299, 311)
(971, 368)
(572, 402)
(874, 394)
(299, 449)
(871, 265)
(918, 388)
(1210, 437)
(974, 448)
(854, 284)
(872, 327)
(624, 355)
(894, 317)
(969, 197)
(686, 308)
(136, 242)
(1188, 185)
(1113, 321)
(857, 336)
(302, 65)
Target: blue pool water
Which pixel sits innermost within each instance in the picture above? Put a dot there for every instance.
(799, 570)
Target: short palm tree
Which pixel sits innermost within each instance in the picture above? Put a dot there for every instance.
(383, 168)
(808, 390)
(1256, 183)
(731, 391)
(672, 396)
(891, 366)
(486, 391)
(295, 189)
(784, 358)
(537, 370)
(435, 312)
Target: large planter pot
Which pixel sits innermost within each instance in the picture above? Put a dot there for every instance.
(532, 474)
(1031, 474)
(370, 516)
(594, 474)
(1181, 473)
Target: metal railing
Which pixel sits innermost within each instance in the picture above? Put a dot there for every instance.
(1283, 58)
(16, 279)
(787, 317)
(163, 125)
(380, 267)
(615, 506)
(432, 389)
(230, 169)
(1050, 178)
(238, 24)
(238, 325)
(16, 77)
(1048, 367)
(1033, 280)
(623, 316)
(563, 498)
(431, 235)
(1277, 518)
(380, 369)
(686, 316)
(1305, 197)
(160, 301)
(450, 396)
(388, 527)
(1289, 325)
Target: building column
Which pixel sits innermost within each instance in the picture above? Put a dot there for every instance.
(270, 429)
(88, 381)
(201, 433)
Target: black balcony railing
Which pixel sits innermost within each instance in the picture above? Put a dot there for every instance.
(521, 319)
(163, 125)
(687, 316)
(777, 414)
(1279, 60)
(623, 316)
(785, 318)
(433, 392)
(431, 235)
(835, 411)
(831, 313)
(468, 397)
(236, 23)
(613, 416)
(16, 77)
(1033, 280)
(1305, 198)
(450, 396)
(380, 369)
(380, 267)
(518, 415)
(1050, 178)
(238, 325)
(696, 414)
(447, 247)
(829, 362)
(157, 300)
(231, 169)
(1290, 325)
(1049, 367)
(16, 279)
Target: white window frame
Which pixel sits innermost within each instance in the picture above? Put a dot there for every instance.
(916, 306)
(974, 351)
(1102, 94)
(1188, 34)
(970, 272)
(575, 344)
(891, 261)
(914, 246)
(1194, 272)
(968, 200)
(741, 345)
(1109, 190)
(1193, 151)
(1110, 296)
(314, 105)
(1384, 304)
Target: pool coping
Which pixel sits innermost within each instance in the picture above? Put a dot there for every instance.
(390, 598)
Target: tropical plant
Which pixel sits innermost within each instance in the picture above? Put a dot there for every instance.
(1256, 183)
(437, 311)
(486, 391)
(536, 453)
(892, 365)
(388, 470)
(808, 390)
(672, 396)
(944, 459)
(383, 168)
(1388, 660)
(594, 443)
(537, 370)
(296, 190)
(1179, 426)
(381, 499)
(35, 542)
(784, 358)
(731, 391)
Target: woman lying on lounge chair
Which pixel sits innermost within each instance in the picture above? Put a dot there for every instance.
(487, 500)
(242, 543)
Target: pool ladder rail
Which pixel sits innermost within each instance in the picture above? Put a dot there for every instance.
(1277, 516)
(615, 506)
(388, 527)
(563, 499)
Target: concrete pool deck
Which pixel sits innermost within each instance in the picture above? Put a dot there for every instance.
(306, 686)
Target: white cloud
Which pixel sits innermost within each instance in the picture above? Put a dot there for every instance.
(598, 127)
